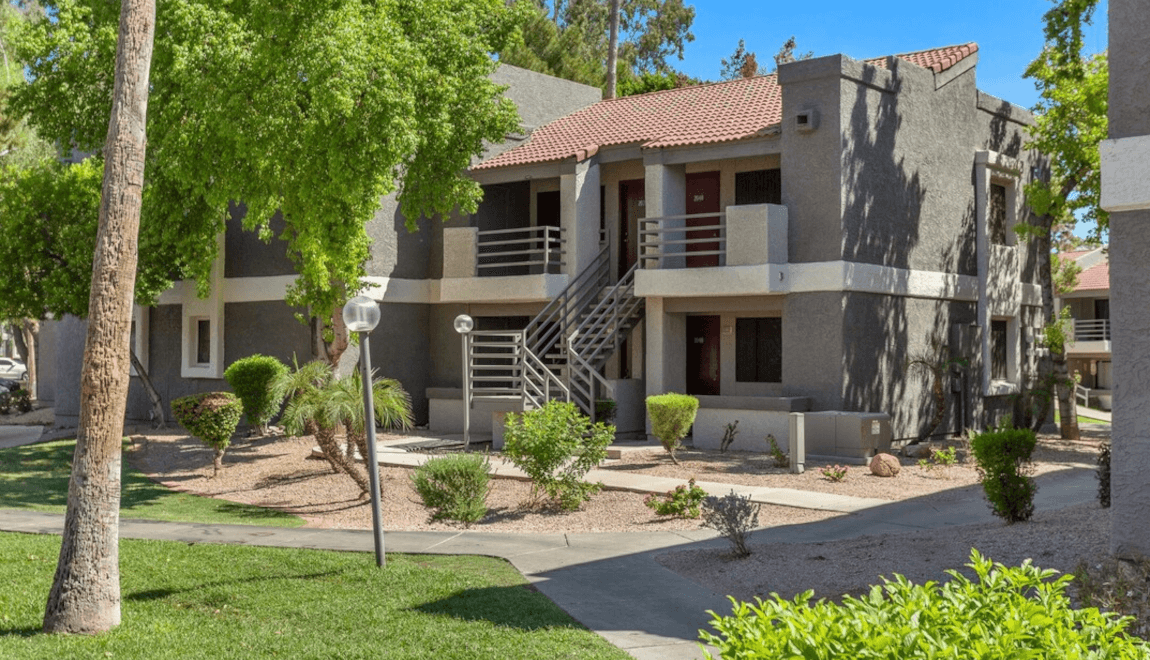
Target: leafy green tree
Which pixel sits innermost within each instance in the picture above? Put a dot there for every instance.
(1070, 120)
(571, 38)
(20, 147)
(312, 110)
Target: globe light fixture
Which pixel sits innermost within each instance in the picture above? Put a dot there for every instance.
(361, 314)
(464, 324)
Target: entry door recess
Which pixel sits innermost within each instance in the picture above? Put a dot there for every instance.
(703, 197)
(632, 208)
(703, 355)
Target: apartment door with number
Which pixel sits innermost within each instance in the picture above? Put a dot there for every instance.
(703, 197)
(632, 208)
(703, 355)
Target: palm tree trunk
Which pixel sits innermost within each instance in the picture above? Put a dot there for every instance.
(330, 446)
(85, 594)
(360, 439)
(613, 50)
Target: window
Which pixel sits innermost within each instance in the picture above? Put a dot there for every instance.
(998, 350)
(758, 187)
(759, 350)
(203, 341)
(997, 216)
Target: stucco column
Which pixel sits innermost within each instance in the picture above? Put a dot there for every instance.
(1127, 195)
(579, 214)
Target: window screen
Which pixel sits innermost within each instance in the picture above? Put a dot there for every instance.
(758, 187)
(759, 350)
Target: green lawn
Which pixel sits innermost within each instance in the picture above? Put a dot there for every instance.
(36, 477)
(1081, 419)
(213, 601)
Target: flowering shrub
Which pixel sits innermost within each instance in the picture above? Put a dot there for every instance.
(835, 473)
(682, 502)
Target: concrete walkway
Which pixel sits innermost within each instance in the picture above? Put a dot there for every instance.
(610, 582)
(15, 436)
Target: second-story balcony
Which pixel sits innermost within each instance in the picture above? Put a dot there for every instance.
(1091, 338)
(735, 252)
(522, 264)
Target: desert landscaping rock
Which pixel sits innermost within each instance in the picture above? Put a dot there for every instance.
(885, 465)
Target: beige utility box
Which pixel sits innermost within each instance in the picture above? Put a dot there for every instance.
(851, 435)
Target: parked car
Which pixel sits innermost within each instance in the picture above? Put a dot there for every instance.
(13, 368)
(10, 385)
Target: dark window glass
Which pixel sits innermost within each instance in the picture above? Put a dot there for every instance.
(759, 350)
(998, 351)
(758, 187)
(203, 341)
(997, 216)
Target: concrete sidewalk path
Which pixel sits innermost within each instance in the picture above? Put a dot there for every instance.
(610, 582)
(16, 436)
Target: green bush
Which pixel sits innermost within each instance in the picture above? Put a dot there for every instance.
(682, 502)
(455, 486)
(671, 417)
(212, 417)
(5, 402)
(251, 378)
(1010, 612)
(22, 400)
(556, 446)
(1003, 459)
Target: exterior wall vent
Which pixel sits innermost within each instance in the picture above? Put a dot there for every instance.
(807, 120)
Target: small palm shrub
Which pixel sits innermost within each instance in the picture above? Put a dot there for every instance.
(454, 487)
(682, 502)
(671, 417)
(1003, 459)
(251, 379)
(1009, 612)
(212, 417)
(556, 446)
(733, 516)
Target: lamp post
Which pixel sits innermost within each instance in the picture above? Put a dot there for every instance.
(361, 314)
(463, 325)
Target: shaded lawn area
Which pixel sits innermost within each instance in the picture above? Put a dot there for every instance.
(217, 601)
(36, 477)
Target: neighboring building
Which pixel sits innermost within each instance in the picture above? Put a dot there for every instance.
(773, 245)
(1088, 351)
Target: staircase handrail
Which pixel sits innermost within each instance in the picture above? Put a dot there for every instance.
(560, 309)
(609, 300)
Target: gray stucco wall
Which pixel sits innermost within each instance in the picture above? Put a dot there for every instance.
(881, 336)
(1129, 291)
(246, 255)
(46, 362)
(810, 162)
(812, 348)
(401, 348)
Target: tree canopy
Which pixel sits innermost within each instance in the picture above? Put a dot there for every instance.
(19, 144)
(1070, 121)
(316, 110)
(569, 39)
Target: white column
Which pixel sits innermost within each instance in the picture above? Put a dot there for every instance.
(579, 214)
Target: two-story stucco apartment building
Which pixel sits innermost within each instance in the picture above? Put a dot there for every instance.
(776, 244)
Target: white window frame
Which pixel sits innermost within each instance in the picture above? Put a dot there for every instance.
(994, 168)
(211, 309)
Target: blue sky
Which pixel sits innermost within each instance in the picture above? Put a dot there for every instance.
(1008, 33)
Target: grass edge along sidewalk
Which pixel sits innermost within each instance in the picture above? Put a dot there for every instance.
(35, 477)
(226, 601)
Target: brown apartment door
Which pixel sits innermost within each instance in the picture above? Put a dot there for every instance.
(632, 203)
(703, 197)
(703, 355)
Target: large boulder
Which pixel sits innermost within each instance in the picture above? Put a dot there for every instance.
(885, 465)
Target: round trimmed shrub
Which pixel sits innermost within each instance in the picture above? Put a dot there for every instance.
(212, 417)
(671, 417)
(455, 487)
(251, 379)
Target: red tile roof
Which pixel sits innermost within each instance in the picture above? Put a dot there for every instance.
(701, 114)
(1094, 278)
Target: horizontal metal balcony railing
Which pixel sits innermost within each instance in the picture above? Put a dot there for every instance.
(1092, 330)
(520, 251)
(674, 242)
